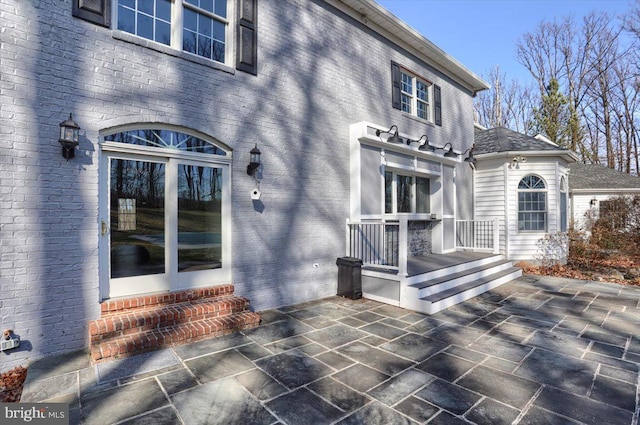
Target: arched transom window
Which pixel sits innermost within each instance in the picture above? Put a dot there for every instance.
(162, 138)
(532, 204)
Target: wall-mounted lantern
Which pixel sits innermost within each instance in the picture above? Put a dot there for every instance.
(449, 153)
(254, 161)
(394, 136)
(69, 137)
(470, 159)
(593, 202)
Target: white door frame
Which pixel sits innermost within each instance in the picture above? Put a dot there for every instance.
(171, 280)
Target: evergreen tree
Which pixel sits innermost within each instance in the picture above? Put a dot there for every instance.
(553, 118)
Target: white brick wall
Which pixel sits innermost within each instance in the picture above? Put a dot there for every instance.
(317, 75)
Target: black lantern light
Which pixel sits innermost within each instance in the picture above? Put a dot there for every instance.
(69, 137)
(254, 161)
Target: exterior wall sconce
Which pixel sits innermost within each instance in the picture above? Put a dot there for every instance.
(394, 136)
(69, 137)
(470, 159)
(425, 147)
(515, 162)
(254, 161)
(593, 202)
(449, 153)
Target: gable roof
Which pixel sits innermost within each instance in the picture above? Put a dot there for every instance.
(594, 176)
(501, 139)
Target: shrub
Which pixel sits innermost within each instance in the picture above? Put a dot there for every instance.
(617, 226)
(553, 249)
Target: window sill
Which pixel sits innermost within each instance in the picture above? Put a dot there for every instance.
(420, 120)
(159, 47)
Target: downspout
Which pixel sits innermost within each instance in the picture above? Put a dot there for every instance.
(507, 251)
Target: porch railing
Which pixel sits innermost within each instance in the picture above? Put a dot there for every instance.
(478, 235)
(382, 244)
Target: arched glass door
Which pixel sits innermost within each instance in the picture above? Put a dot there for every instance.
(165, 211)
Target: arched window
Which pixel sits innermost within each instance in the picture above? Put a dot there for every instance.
(532, 204)
(162, 138)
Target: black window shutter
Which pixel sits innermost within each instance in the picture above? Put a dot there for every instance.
(437, 105)
(95, 11)
(396, 80)
(247, 48)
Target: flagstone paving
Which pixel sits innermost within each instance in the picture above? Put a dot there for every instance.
(538, 350)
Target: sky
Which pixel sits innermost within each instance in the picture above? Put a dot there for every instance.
(481, 34)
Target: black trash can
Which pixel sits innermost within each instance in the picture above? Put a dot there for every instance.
(350, 277)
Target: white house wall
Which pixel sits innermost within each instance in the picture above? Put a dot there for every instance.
(490, 196)
(497, 196)
(319, 71)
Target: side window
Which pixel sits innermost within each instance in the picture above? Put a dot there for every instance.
(532, 204)
(406, 194)
(415, 95)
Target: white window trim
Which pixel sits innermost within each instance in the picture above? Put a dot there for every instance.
(114, 150)
(175, 47)
(546, 206)
(394, 194)
(413, 96)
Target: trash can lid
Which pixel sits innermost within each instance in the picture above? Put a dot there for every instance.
(348, 261)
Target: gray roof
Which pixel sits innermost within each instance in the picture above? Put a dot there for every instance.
(593, 176)
(502, 139)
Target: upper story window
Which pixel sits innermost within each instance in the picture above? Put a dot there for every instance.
(415, 95)
(532, 204)
(149, 19)
(196, 26)
(406, 194)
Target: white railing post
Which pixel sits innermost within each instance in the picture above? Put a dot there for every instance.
(496, 237)
(348, 239)
(403, 247)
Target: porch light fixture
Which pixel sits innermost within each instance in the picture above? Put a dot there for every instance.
(425, 147)
(69, 137)
(593, 202)
(254, 161)
(470, 159)
(449, 153)
(394, 136)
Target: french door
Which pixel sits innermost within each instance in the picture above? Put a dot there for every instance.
(164, 223)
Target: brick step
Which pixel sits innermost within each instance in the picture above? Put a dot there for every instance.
(118, 305)
(182, 333)
(133, 320)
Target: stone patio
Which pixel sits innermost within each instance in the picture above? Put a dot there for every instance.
(538, 350)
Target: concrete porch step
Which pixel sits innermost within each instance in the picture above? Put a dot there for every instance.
(145, 323)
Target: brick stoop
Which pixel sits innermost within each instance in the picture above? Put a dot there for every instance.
(140, 324)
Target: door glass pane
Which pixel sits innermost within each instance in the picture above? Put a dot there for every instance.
(422, 195)
(199, 218)
(404, 193)
(137, 218)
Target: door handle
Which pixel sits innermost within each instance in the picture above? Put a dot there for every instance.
(103, 228)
